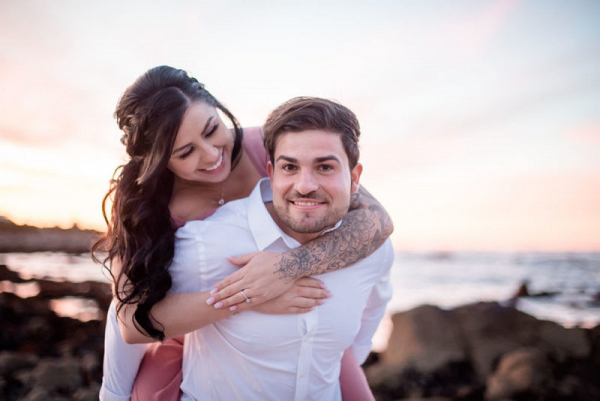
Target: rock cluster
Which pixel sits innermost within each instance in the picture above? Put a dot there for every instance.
(24, 238)
(44, 356)
(485, 351)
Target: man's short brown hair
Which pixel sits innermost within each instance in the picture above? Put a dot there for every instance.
(313, 113)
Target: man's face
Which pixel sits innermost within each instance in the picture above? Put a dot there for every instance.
(311, 181)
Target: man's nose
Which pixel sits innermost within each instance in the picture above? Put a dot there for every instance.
(306, 183)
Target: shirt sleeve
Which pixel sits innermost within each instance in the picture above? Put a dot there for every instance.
(375, 307)
(121, 361)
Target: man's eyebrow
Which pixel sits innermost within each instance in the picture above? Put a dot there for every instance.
(287, 159)
(202, 133)
(327, 158)
(317, 160)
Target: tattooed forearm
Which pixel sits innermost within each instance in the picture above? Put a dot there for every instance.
(364, 229)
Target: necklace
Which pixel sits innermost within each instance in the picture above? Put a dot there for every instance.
(221, 201)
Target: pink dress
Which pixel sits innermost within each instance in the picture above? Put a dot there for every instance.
(160, 374)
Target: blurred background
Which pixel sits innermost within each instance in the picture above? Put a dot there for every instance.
(481, 120)
(480, 125)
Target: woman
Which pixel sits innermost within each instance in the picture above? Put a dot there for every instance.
(183, 164)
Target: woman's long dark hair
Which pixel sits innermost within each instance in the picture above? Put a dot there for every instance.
(140, 231)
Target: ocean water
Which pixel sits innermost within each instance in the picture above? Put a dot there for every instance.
(453, 279)
(443, 279)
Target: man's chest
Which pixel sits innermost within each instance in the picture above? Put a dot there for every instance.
(330, 328)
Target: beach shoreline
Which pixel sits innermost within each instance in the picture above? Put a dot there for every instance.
(25, 238)
(471, 352)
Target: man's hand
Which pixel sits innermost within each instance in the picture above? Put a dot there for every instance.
(258, 278)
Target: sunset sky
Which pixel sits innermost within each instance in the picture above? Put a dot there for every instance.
(480, 119)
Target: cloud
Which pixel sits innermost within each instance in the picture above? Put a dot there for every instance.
(476, 34)
(587, 132)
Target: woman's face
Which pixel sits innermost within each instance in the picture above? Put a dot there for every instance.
(202, 148)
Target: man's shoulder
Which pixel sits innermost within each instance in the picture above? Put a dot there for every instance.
(382, 257)
(231, 213)
(235, 209)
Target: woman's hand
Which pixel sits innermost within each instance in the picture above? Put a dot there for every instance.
(305, 294)
(258, 278)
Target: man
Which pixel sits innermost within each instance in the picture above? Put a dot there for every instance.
(313, 171)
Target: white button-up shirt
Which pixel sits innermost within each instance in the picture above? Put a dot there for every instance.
(254, 356)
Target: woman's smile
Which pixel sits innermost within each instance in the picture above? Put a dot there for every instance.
(217, 166)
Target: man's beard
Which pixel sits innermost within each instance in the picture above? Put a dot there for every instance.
(310, 225)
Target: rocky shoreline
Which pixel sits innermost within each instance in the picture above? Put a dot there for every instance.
(485, 351)
(44, 356)
(482, 351)
(24, 238)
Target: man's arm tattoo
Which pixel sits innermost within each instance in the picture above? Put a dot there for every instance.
(364, 229)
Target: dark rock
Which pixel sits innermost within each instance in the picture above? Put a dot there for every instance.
(520, 373)
(47, 357)
(564, 343)
(99, 292)
(542, 294)
(87, 394)
(431, 399)
(37, 394)
(490, 330)
(391, 383)
(11, 362)
(91, 366)
(8, 275)
(486, 348)
(373, 359)
(594, 334)
(16, 238)
(522, 291)
(429, 339)
(58, 375)
(42, 394)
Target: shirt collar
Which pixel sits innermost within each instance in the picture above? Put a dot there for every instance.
(264, 229)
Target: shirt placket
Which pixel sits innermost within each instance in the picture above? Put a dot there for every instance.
(305, 355)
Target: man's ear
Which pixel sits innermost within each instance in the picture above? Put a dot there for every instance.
(270, 171)
(355, 177)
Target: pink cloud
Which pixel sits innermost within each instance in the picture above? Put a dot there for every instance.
(586, 132)
(476, 33)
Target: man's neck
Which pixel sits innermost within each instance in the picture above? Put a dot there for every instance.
(302, 238)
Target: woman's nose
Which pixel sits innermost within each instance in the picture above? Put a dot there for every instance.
(210, 154)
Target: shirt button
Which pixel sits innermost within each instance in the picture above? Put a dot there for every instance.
(303, 375)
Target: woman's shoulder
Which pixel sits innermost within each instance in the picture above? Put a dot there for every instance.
(253, 134)
(178, 222)
(254, 145)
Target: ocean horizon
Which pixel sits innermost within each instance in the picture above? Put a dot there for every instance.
(564, 286)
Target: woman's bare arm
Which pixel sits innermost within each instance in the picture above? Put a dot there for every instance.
(177, 313)
(181, 313)
(266, 274)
